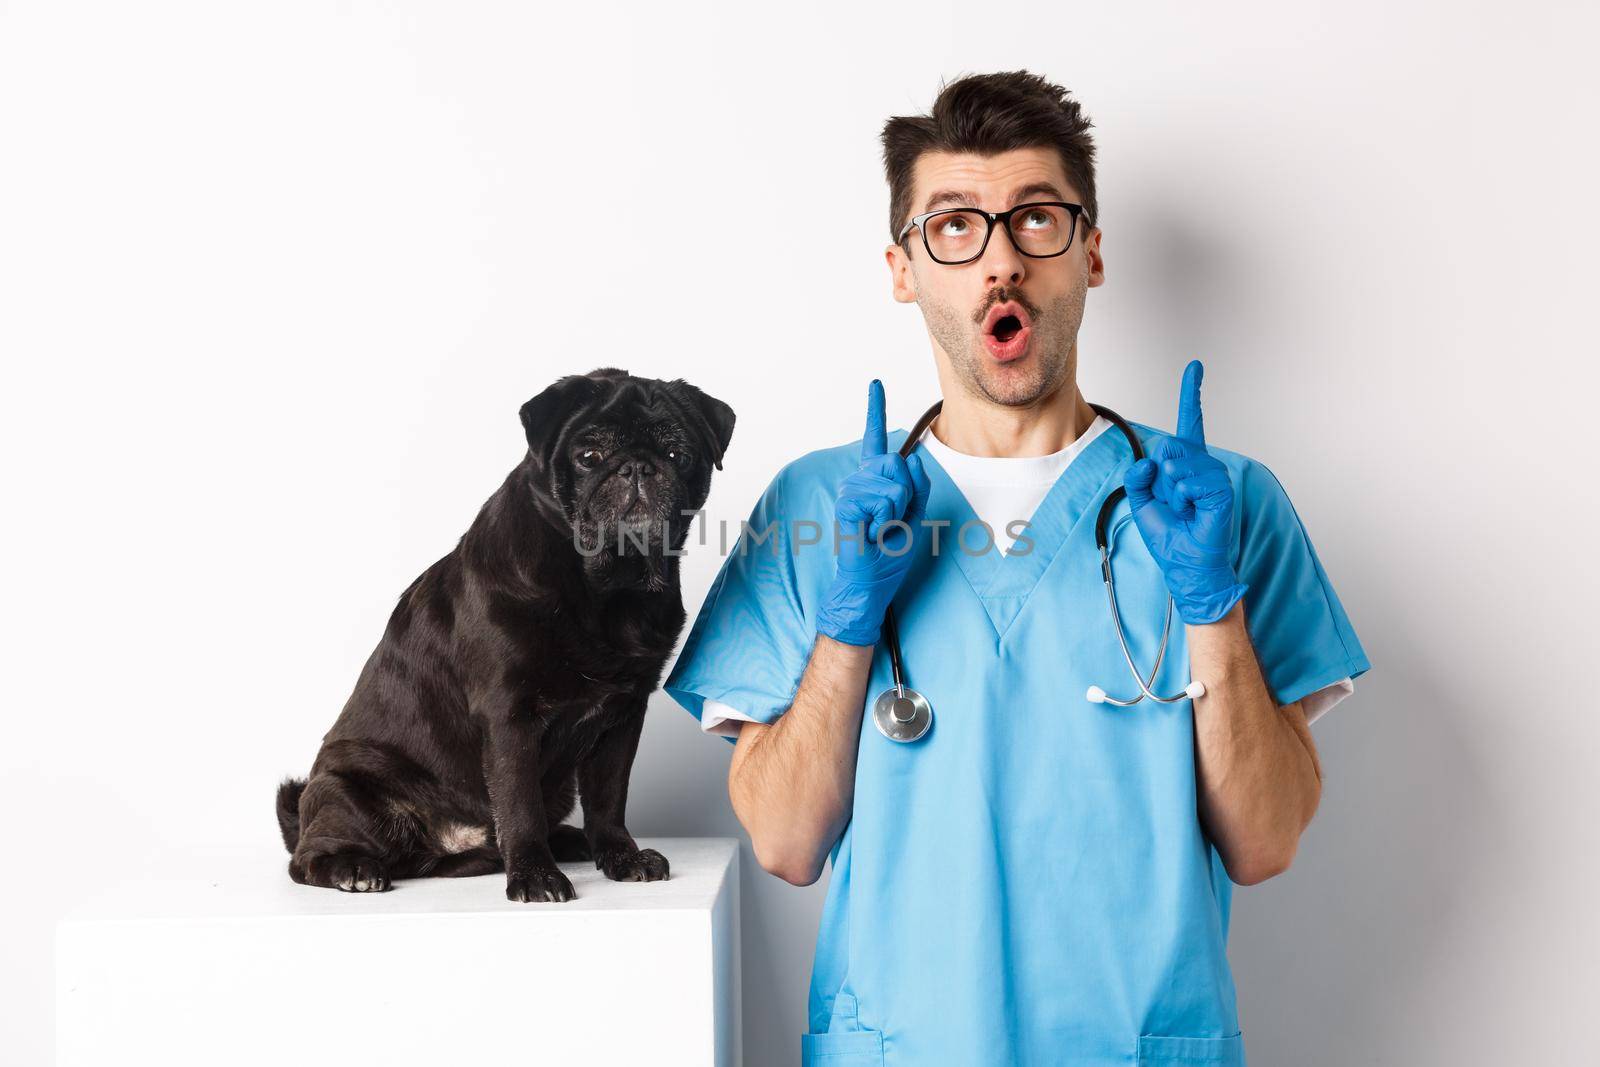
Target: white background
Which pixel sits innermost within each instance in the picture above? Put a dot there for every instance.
(275, 278)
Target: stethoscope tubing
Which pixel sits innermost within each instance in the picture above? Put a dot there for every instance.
(891, 629)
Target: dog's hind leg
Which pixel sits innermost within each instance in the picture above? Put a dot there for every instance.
(340, 845)
(567, 843)
(485, 859)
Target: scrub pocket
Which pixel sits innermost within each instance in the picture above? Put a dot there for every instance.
(1187, 1051)
(845, 1044)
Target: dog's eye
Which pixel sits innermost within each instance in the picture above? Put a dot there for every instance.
(588, 458)
(678, 456)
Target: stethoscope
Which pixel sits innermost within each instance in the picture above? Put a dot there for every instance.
(903, 714)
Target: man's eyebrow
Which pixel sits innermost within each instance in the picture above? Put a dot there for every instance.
(965, 199)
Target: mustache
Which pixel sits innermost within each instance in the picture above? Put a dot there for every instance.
(1000, 296)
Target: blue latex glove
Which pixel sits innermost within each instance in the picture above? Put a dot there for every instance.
(885, 487)
(1183, 505)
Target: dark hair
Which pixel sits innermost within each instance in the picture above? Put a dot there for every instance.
(988, 114)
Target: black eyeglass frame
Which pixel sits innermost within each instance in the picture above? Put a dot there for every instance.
(919, 222)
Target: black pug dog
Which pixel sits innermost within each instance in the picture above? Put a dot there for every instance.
(514, 672)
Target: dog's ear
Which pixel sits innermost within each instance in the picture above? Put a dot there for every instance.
(717, 418)
(542, 416)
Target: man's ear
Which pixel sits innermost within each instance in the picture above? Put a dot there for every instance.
(902, 281)
(716, 416)
(543, 415)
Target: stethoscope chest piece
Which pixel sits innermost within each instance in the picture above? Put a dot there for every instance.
(902, 713)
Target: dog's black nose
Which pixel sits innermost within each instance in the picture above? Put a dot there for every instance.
(636, 467)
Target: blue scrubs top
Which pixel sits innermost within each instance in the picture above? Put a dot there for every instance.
(1029, 883)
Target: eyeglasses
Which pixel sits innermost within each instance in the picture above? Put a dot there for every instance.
(959, 235)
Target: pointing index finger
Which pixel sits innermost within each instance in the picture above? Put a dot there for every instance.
(1191, 426)
(876, 440)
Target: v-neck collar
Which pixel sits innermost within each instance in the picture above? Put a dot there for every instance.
(1003, 582)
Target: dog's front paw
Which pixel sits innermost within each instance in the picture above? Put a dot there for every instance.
(633, 865)
(538, 884)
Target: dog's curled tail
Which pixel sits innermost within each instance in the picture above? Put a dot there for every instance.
(289, 811)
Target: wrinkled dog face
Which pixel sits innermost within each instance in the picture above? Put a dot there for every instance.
(620, 459)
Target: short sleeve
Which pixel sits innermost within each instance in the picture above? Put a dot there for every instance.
(1326, 699)
(751, 641)
(1302, 636)
(719, 718)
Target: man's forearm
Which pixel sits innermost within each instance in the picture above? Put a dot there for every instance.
(792, 782)
(1257, 770)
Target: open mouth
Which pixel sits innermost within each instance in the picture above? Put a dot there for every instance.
(1006, 330)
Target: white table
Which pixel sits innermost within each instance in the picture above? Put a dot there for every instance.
(216, 957)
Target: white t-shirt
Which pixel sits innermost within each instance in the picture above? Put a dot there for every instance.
(1000, 490)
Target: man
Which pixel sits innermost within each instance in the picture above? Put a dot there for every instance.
(1038, 878)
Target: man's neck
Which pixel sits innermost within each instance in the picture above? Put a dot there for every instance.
(979, 427)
